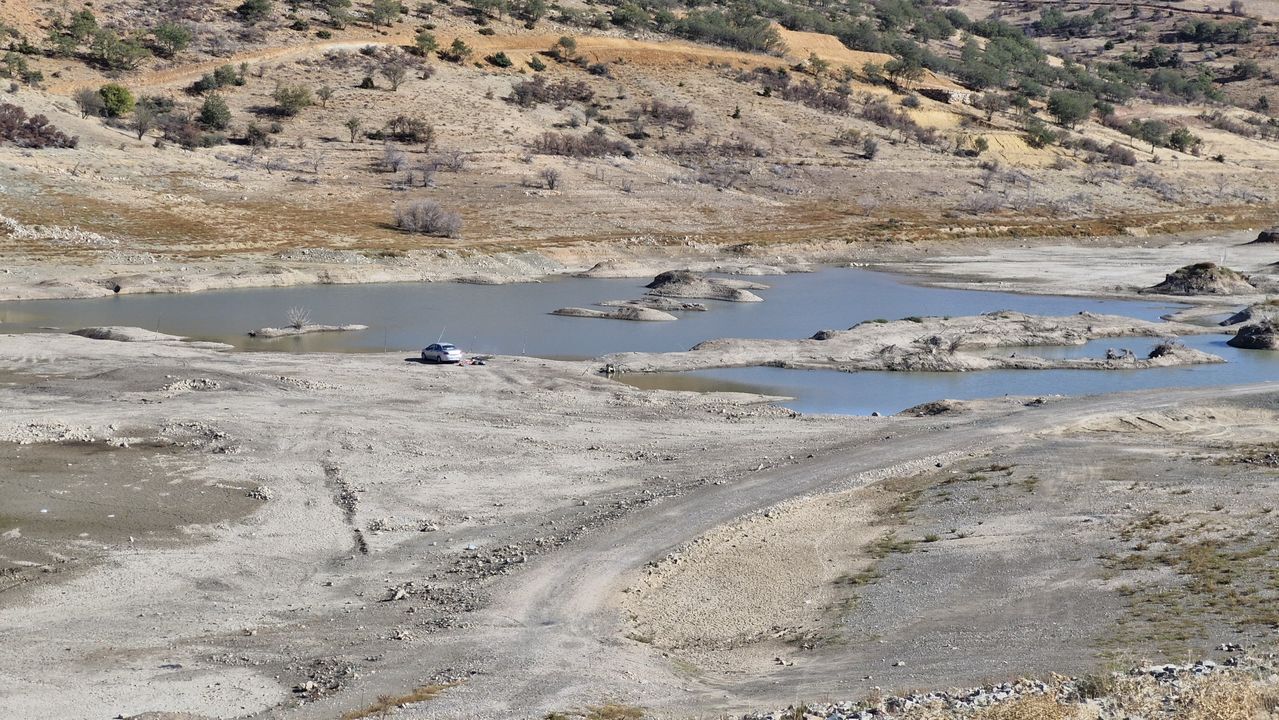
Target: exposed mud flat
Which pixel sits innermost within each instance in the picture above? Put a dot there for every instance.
(66, 503)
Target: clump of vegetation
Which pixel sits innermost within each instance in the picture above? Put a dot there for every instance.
(592, 144)
(291, 99)
(428, 217)
(529, 93)
(117, 100)
(223, 76)
(31, 132)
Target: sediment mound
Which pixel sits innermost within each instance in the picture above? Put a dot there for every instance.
(657, 303)
(687, 284)
(1258, 311)
(290, 331)
(1258, 336)
(627, 312)
(1203, 279)
(1267, 236)
(124, 333)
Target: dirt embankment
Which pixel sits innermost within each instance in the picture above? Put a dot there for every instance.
(935, 344)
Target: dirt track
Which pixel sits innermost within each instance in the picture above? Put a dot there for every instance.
(552, 638)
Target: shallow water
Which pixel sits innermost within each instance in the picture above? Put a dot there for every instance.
(514, 319)
(861, 393)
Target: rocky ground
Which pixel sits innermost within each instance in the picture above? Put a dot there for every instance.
(462, 540)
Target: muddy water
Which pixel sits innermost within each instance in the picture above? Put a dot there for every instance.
(67, 501)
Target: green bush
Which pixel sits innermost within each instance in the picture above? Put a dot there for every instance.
(214, 113)
(117, 101)
(500, 60)
(253, 11)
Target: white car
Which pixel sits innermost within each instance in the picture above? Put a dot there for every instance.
(441, 353)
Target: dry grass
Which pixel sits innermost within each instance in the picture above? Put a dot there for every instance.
(607, 711)
(1030, 708)
(1221, 697)
(384, 705)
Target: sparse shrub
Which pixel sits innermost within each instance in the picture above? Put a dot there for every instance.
(536, 64)
(1037, 134)
(592, 144)
(1119, 155)
(499, 59)
(427, 217)
(910, 101)
(665, 115)
(551, 178)
(870, 148)
(353, 126)
(528, 93)
(117, 100)
(89, 101)
(458, 52)
(291, 99)
(31, 132)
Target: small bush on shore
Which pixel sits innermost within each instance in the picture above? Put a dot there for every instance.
(427, 217)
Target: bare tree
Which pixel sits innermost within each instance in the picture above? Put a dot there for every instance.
(393, 159)
(89, 101)
(316, 160)
(551, 178)
(144, 119)
(299, 317)
(395, 73)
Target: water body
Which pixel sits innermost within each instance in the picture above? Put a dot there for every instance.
(514, 320)
(861, 393)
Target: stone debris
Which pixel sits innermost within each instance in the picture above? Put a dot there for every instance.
(1171, 682)
(54, 235)
(38, 432)
(190, 385)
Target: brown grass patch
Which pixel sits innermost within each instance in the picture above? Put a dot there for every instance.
(383, 706)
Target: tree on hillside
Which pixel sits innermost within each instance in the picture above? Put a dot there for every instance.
(254, 11)
(170, 38)
(425, 43)
(338, 11)
(1070, 108)
(353, 126)
(385, 12)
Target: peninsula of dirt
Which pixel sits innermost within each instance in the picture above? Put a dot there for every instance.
(934, 344)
